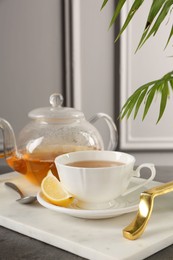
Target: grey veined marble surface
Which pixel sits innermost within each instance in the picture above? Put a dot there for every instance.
(71, 234)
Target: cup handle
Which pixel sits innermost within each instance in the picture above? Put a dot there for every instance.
(136, 173)
(112, 129)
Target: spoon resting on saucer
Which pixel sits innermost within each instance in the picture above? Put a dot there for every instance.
(23, 199)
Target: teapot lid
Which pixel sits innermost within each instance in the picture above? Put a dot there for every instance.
(56, 110)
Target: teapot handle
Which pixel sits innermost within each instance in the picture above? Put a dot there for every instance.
(112, 129)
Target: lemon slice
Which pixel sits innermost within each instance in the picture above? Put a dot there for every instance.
(54, 192)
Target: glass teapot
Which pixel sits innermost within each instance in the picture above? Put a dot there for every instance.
(52, 131)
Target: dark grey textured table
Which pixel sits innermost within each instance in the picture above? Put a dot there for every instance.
(15, 246)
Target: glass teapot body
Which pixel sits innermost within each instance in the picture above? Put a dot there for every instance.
(52, 132)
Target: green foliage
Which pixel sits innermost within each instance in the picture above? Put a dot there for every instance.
(159, 10)
(146, 93)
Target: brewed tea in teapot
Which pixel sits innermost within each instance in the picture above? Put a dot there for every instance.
(52, 131)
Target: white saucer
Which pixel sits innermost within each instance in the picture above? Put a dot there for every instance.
(123, 205)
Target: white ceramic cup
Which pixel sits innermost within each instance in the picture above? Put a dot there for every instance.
(97, 188)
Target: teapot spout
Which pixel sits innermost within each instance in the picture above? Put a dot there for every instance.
(9, 141)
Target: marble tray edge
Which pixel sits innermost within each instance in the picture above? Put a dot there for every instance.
(60, 243)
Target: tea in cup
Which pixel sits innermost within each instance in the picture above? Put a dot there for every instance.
(97, 178)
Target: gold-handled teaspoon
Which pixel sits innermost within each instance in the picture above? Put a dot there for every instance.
(138, 225)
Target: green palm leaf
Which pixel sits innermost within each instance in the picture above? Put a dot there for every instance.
(158, 11)
(170, 35)
(149, 100)
(154, 11)
(164, 11)
(129, 105)
(164, 98)
(171, 83)
(132, 100)
(133, 10)
(117, 11)
(104, 3)
(147, 93)
(139, 101)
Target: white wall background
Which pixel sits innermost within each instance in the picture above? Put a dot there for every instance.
(30, 56)
(148, 141)
(94, 61)
(31, 67)
(149, 63)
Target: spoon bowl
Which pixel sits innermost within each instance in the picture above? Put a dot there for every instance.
(23, 199)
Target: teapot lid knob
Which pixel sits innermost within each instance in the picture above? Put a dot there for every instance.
(56, 111)
(56, 100)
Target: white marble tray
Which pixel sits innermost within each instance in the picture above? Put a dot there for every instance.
(93, 239)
